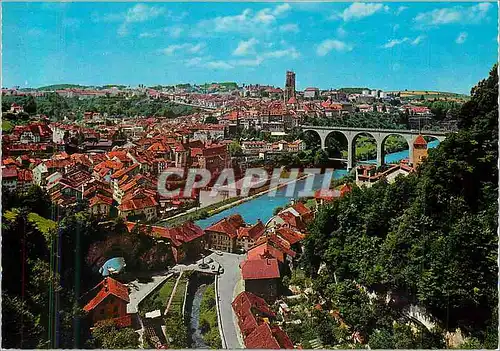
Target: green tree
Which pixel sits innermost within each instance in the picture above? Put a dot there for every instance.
(320, 158)
(235, 149)
(211, 119)
(108, 336)
(428, 238)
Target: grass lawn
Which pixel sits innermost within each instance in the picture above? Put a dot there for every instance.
(158, 299)
(178, 299)
(6, 126)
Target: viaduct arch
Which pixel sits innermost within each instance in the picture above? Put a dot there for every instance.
(380, 135)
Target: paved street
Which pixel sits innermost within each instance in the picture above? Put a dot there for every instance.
(227, 284)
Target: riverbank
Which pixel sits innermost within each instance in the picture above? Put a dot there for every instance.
(205, 212)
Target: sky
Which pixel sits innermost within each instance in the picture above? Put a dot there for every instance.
(388, 46)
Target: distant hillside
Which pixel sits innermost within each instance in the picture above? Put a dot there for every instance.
(428, 94)
(61, 86)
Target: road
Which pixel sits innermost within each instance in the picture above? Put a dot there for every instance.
(227, 289)
(227, 284)
(139, 291)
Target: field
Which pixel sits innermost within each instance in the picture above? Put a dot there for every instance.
(178, 299)
(432, 94)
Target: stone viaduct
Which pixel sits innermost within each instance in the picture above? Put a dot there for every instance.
(380, 136)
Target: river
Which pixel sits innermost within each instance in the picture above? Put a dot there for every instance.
(194, 320)
(262, 207)
(198, 283)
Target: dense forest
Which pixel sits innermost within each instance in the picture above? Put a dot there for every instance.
(50, 263)
(427, 240)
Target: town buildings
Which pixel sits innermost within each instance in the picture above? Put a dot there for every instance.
(255, 323)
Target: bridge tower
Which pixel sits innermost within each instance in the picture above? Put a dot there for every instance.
(419, 150)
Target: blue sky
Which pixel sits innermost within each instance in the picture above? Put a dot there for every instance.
(424, 46)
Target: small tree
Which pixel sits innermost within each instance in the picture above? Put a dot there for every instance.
(277, 210)
(235, 149)
(108, 336)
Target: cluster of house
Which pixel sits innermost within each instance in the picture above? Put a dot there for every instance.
(255, 321)
(261, 147)
(122, 179)
(270, 250)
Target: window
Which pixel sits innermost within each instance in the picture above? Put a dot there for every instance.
(115, 309)
(101, 311)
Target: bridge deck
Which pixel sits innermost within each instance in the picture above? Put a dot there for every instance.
(376, 130)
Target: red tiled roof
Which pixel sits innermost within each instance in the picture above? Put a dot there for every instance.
(138, 202)
(293, 221)
(282, 338)
(290, 235)
(260, 269)
(420, 141)
(261, 338)
(264, 250)
(187, 232)
(250, 310)
(228, 225)
(109, 286)
(301, 208)
(9, 173)
(124, 171)
(253, 232)
(100, 199)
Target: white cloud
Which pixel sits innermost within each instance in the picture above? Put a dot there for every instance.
(248, 63)
(243, 22)
(187, 47)
(462, 37)
(400, 9)
(142, 13)
(289, 27)
(246, 47)
(147, 35)
(392, 43)
(195, 61)
(291, 52)
(360, 10)
(457, 14)
(257, 60)
(341, 32)
(280, 9)
(418, 40)
(174, 32)
(332, 44)
(136, 14)
(218, 65)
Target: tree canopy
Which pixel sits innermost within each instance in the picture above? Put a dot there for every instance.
(428, 239)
